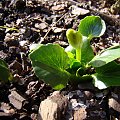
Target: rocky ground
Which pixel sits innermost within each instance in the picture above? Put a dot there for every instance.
(24, 22)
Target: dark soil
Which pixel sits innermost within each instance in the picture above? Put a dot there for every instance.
(24, 22)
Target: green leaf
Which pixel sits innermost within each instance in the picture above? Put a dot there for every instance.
(74, 66)
(111, 67)
(107, 75)
(106, 56)
(5, 74)
(92, 26)
(86, 52)
(50, 63)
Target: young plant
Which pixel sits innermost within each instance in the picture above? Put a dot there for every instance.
(57, 66)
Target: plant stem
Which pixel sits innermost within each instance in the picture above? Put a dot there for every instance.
(78, 54)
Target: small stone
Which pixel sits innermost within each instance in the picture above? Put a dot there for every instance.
(16, 100)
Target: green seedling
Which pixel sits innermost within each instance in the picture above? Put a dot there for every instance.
(58, 66)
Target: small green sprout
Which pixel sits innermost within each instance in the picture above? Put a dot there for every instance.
(75, 40)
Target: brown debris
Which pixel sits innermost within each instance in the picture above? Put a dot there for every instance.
(80, 114)
(58, 7)
(113, 103)
(16, 99)
(53, 108)
(16, 66)
(41, 25)
(6, 110)
(3, 55)
(79, 11)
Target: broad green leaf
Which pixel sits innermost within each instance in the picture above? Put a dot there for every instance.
(106, 56)
(111, 67)
(5, 74)
(103, 81)
(92, 26)
(50, 63)
(107, 75)
(86, 52)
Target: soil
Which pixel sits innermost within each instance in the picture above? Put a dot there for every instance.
(25, 22)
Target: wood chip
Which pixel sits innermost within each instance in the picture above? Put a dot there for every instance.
(113, 103)
(53, 108)
(80, 114)
(16, 100)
